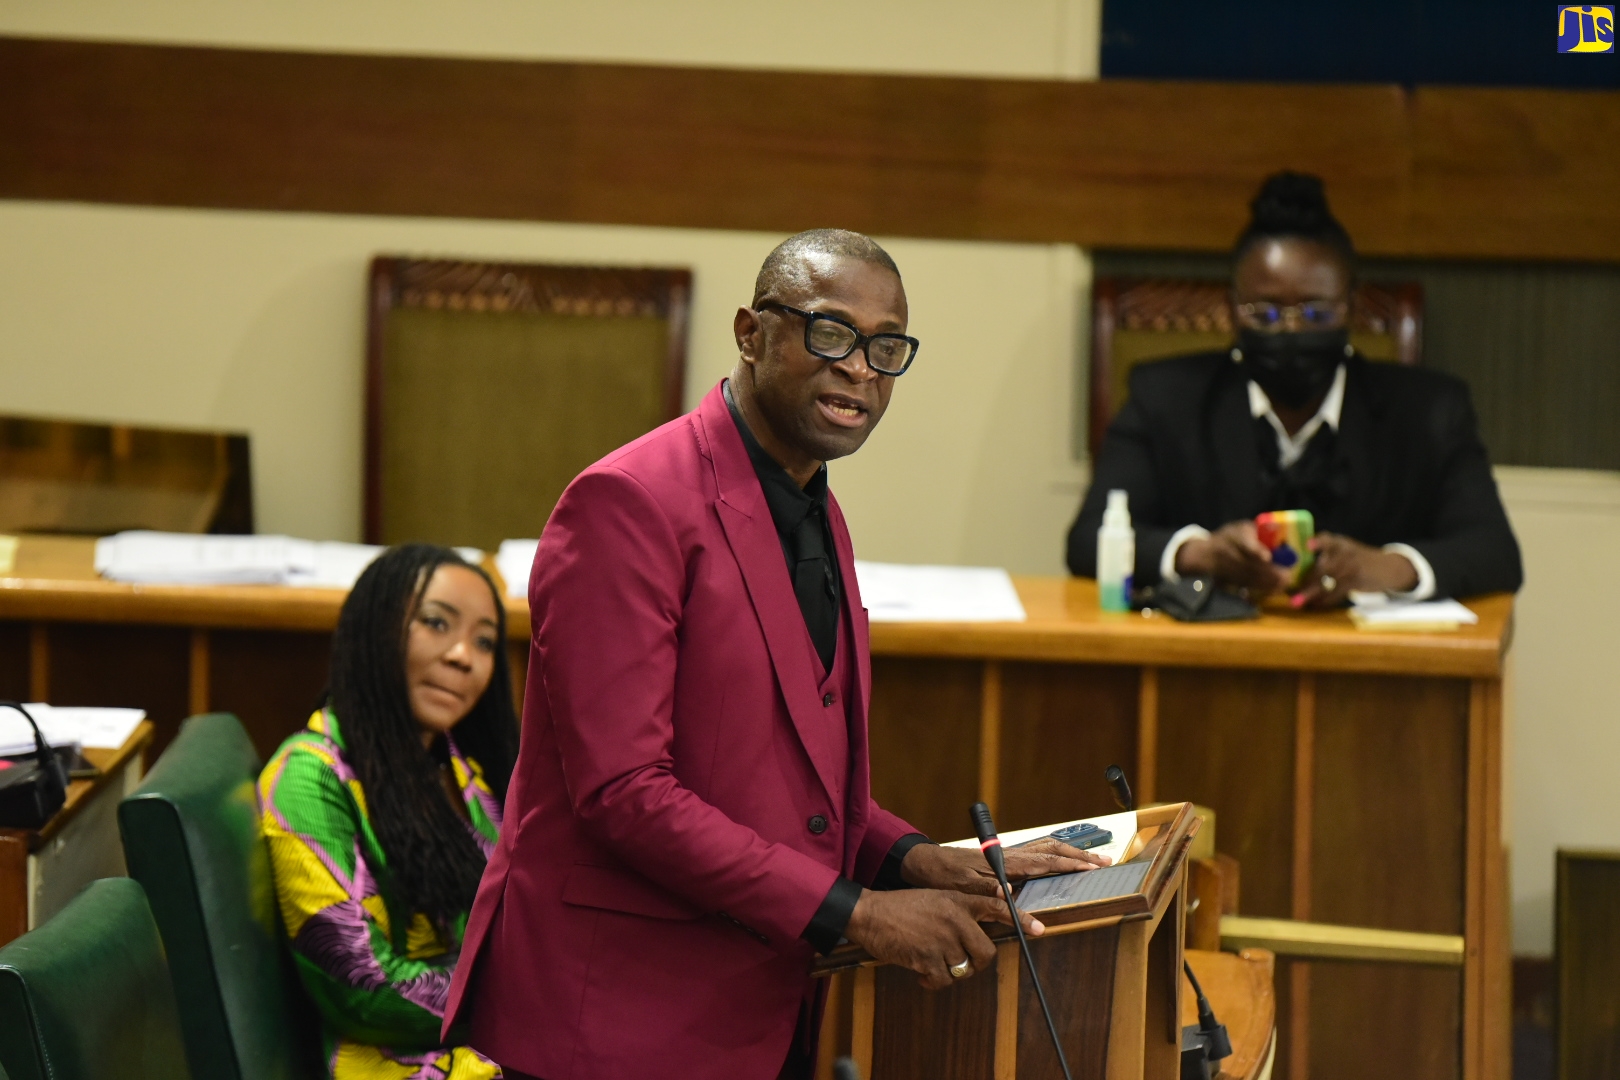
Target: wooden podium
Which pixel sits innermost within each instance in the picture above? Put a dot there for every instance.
(1111, 969)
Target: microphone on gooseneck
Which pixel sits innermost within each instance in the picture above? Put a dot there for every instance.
(990, 844)
(1121, 786)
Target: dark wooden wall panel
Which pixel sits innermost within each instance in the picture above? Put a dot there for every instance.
(924, 724)
(1387, 851)
(271, 680)
(1391, 797)
(140, 667)
(1385, 1020)
(1117, 163)
(14, 661)
(1061, 725)
(1226, 741)
(1587, 942)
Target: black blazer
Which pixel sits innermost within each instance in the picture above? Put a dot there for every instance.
(1415, 471)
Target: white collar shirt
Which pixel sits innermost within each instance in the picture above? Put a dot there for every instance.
(1292, 447)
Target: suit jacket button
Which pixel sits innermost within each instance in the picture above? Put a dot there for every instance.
(818, 824)
(828, 699)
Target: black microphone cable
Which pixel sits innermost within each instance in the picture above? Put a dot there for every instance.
(990, 844)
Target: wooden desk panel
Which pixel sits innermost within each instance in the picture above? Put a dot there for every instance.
(925, 721)
(1227, 741)
(271, 679)
(1061, 726)
(1307, 736)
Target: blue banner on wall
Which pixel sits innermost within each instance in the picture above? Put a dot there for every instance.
(1429, 42)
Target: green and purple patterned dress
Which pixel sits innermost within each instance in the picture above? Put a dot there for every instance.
(378, 974)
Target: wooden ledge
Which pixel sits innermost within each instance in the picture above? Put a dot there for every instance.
(1321, 941)
(54, 580)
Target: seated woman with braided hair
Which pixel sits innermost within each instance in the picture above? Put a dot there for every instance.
(381, 813)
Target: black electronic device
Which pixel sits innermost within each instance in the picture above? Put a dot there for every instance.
(31, 791)
(989, 843)
(1084, 836)
(1120, 786)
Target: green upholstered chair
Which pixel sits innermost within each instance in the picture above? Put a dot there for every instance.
(191, 837)
(87, 995)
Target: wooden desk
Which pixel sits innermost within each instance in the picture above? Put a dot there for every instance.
(1358, 776)
(42, 869)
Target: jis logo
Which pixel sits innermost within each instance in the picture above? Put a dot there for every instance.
(1585, 28)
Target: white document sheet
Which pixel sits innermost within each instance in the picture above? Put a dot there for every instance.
(1422, 615)
(514, 560)
(1122, 825)
(897, 593)
(105, 729)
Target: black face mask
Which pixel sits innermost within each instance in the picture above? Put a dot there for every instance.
(1293, 368)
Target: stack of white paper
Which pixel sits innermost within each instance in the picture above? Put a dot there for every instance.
(105, 729)
(514, 560)
(337, 565)
(1421, 615)
(156, 558)
(895, 593)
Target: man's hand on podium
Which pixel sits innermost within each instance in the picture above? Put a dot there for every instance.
(928, 930)
(930, 866)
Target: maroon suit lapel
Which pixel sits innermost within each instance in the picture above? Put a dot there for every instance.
(860, 776)
(752, 536)
(855, 612)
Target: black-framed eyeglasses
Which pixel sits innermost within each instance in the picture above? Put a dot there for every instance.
(1312, 314)
(831, 338)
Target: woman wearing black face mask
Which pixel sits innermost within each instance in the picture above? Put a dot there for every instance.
(1386, 458)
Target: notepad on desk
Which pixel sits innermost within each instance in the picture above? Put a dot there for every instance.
(1423, 615)
(893, 592)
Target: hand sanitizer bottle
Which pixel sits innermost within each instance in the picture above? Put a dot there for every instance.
(1116, 554)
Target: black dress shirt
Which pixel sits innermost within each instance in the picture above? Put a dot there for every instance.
(800, 516)
(802, 524)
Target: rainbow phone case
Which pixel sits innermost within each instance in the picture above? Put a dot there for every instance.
(1287, 535)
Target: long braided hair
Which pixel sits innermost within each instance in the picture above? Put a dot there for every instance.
(431, 855)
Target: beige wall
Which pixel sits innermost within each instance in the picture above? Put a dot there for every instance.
(1563, 741)
(1014, 38)
(255, 321)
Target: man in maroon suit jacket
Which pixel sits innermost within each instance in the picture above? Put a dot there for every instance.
(691, 817)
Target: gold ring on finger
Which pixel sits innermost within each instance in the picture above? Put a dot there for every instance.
(1329, 583)
(962, 970)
